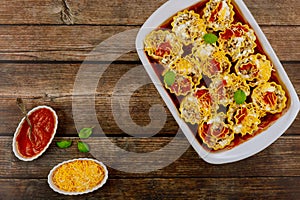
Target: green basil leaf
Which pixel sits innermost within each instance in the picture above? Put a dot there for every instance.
(240, 97)
(64, 144)
(85, 133)
(169, 78)
(83, 147)
(210, 38)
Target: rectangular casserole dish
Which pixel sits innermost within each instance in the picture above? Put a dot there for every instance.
(259, 141)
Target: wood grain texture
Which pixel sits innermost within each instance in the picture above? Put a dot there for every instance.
(75, 43)
(135, 12)
(43, 46)
(38, 80)
(53, 85)
(139, 110)
(166, 188)
(283, 157)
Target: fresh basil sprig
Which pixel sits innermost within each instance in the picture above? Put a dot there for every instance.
(210, 38)
(63, 144)
(83, 147)
(169, 78)
(240, 97)
(85, 133)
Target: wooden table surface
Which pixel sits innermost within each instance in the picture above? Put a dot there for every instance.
(43, 46)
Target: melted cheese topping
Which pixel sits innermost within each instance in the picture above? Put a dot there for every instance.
(163, 46)
(190, 110)
(215, 133)
(244, 119)
(216, 65)
(238, 41)
(182, 85)
(203, 51)
(187, 67)
(188, 26)
(269, 97)
(181, 66)
(218, 14)
(78, 176)
(256, 69)
(223, 88)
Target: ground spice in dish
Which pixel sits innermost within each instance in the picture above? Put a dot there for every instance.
(43, 124)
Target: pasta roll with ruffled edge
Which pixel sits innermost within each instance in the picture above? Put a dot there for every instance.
(215, 133)
(218, 88)
(163, 46)
(256, 69)
(205, 106)
(182, 85)
(218, 64)
(206, 100)
(235, 83)
(187, 67)
(270, 97)
(244, 119)
(188, 26)
(218, 14)
(223, 88)
(202, 50)
(238, 41)
(190, 110)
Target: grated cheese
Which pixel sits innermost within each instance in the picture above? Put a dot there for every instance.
(78, 176)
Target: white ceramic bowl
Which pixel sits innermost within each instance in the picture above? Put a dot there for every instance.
(14, 144)
(56, 189)
(257, 143)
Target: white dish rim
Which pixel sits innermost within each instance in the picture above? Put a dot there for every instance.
(54, 188)
(14, 145)
(255, 144)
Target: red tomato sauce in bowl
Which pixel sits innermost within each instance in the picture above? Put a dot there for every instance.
(28, 146)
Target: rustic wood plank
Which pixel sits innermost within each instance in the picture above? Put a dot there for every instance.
(274, 12)
(57, 43)
(51, 89)
(283, 157)
(75, 43)
(127, 12)
(40, 55)
(53, 80)
(165, 188)
(52, 84)
(139, 108)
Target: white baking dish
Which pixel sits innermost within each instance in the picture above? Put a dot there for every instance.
(255, 144)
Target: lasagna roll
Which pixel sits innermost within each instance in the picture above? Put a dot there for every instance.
(190, 110)
(244, 119)
(218, 14)
(163, 46)
(188, 26)
(256, 69)
(181, 85)
(187, 66)
(202, 51)
(197, 106)
(224, 87)
(238, 41)
(217, 65)
(269, 97)
(215, 133)
(206, 99)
